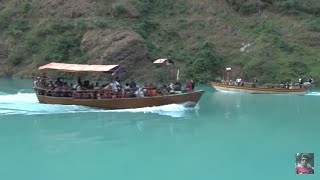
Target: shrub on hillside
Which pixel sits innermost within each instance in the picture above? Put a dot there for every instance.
(207, 64)
(14, 58)
(296, 6)
(4, 19)
(18, 26)
(102, 23)
(314, 25)
(161, 74)
(299, 68)
(119, 9)
(56, 26)
(61, 48)
(249, 6)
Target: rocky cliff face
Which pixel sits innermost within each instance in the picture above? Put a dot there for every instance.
(98, 43)
(116, 46)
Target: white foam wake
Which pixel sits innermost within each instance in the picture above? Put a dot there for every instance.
(229, 92)
(27, 104)
(313, 94)
(173, 110)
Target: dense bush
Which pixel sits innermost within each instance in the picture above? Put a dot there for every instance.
(101, 23)
(14, 59)
(56, 26)
(249, 6)
(296, 6)
(80, 25)
(161, 74)
(289, 6)
(314, 25)
(61, 48)
(4, 19)
(207, 64)
(18, 26)
(299, 68)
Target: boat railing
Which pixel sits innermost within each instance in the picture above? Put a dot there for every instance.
(94, 93)
(83, 94)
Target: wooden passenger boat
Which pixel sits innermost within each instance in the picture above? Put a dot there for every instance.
(257, 90)
(190, 99)
(114, 102)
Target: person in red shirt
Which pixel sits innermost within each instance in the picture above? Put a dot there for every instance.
(189, 86)
(304, 169)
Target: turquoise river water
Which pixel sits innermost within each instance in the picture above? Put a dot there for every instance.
(226, 136)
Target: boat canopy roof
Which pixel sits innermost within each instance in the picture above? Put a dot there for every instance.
(163, 61)
(83, 67)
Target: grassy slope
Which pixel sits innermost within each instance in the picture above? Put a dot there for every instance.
(202, 36)
(283, 45)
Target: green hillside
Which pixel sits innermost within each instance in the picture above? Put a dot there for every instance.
(273, 40)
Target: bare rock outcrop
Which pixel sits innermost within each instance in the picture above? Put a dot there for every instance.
(116, 46)
(70, 8)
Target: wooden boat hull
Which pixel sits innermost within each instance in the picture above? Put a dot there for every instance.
(191, 98)
(256, 90)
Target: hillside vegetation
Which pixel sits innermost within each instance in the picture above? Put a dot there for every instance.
(272, 40)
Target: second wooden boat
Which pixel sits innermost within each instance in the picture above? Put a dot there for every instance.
(257, 90)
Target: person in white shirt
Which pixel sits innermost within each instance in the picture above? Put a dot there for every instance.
(114, 86)
(238, 81)
(139, 93)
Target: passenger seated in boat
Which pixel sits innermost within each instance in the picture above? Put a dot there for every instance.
(146, 92)
(171, 91)
(91, 86)
(43, 80)
(301, 82)
(56, 91)
(114, 86)
(177, 85)
(127, 87)
(106, 94)
(254, 82)
(71, 87)
(132, 94)
(310, 80)
(171, 86)
(238, 81)
(287, 86)
(51, 85)
(189, 86)
(97, 87)
(192, 84)
(254, 85)
(231, 82)
(108, 87)
(98, 96)
(162, 91)
(139, 93)
(36, 83)
(149, 86)
(86, 95)
(154, 92)
(118, 81)
(133, 84)
(167, 88)
(79, 88)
